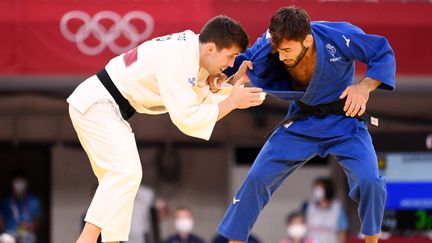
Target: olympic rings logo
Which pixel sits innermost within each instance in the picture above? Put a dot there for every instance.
(106, 36)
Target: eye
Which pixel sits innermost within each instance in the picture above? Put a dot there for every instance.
(284, 51)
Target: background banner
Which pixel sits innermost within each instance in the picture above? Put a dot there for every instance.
(70, 37)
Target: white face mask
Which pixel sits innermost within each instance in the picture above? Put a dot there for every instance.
(318, 193)
(6, 238)
(19, 186)
(184, 225)
(296, 231)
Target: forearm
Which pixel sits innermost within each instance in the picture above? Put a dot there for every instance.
(225, 107)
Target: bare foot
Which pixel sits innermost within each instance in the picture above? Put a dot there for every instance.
(372, 238)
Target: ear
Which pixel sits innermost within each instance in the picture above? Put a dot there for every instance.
(308, 41)
(210, 48)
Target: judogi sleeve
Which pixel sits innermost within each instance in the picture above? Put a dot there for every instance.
(374, 51)
(176, 75)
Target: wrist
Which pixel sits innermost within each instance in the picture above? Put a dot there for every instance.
(233, 105)
(370, 83)
(231, 80)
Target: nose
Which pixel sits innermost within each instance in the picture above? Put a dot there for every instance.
(231, 63)
(282, 57)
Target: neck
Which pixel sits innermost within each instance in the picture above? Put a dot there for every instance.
(296, 240)
(19, 196)
(324, 204)
(201, 55)
(183, 235)
(310, 55)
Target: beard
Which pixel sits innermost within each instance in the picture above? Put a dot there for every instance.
(298, 59)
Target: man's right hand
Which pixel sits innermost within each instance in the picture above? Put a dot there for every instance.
(241, 98)
(245, 97)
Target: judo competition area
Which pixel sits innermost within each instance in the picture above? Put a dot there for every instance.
(45, 53)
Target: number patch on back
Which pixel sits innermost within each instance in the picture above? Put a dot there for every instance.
(163, 38)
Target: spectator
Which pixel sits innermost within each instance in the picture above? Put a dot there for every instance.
(184, 223)
(20, 211)
(326, 219)
(296, 229)
(141, 225)
(220, 239)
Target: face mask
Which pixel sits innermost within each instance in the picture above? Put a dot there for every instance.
(296, 231)
(19, 186)
(318, 193)
(6, 238)
(184, 225)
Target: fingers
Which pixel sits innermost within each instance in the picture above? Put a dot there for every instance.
(257, 97)
(257, 103)
(222, 78)
(247, 96)
(242, 71)
(213, 85)
(254, 89)
(215, 82)
(248, 64)
(344, 94)
(362, 110)
(347, 103)
(356, 99)
(356, 108)
(239, 82)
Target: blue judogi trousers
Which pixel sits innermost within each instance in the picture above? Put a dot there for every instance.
(286, 151)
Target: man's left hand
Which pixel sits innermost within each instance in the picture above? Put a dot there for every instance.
(357, 96)
(216, 81)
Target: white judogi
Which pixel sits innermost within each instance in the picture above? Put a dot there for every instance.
(159, 76)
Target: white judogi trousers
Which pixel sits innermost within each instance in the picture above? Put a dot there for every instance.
(110, 145)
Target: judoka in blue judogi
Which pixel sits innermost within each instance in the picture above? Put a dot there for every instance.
(337, 46)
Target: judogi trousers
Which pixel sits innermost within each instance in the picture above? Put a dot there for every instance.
(111, 147)
(286, 151)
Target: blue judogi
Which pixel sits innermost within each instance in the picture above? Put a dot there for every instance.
(338, 45)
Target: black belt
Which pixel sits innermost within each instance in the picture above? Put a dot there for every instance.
(321, 111)
(126, 110)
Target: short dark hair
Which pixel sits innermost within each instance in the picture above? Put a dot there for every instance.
(291, 216)
(224, 32)
(329, 188)
(18, 173)
(289, 23)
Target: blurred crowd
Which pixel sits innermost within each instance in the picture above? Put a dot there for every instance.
(20, 212)
(320, 219)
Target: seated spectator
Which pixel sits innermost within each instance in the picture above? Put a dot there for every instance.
(184, 223)
(296, 230)
(141, 224)
(326, 218)
(20, 211)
